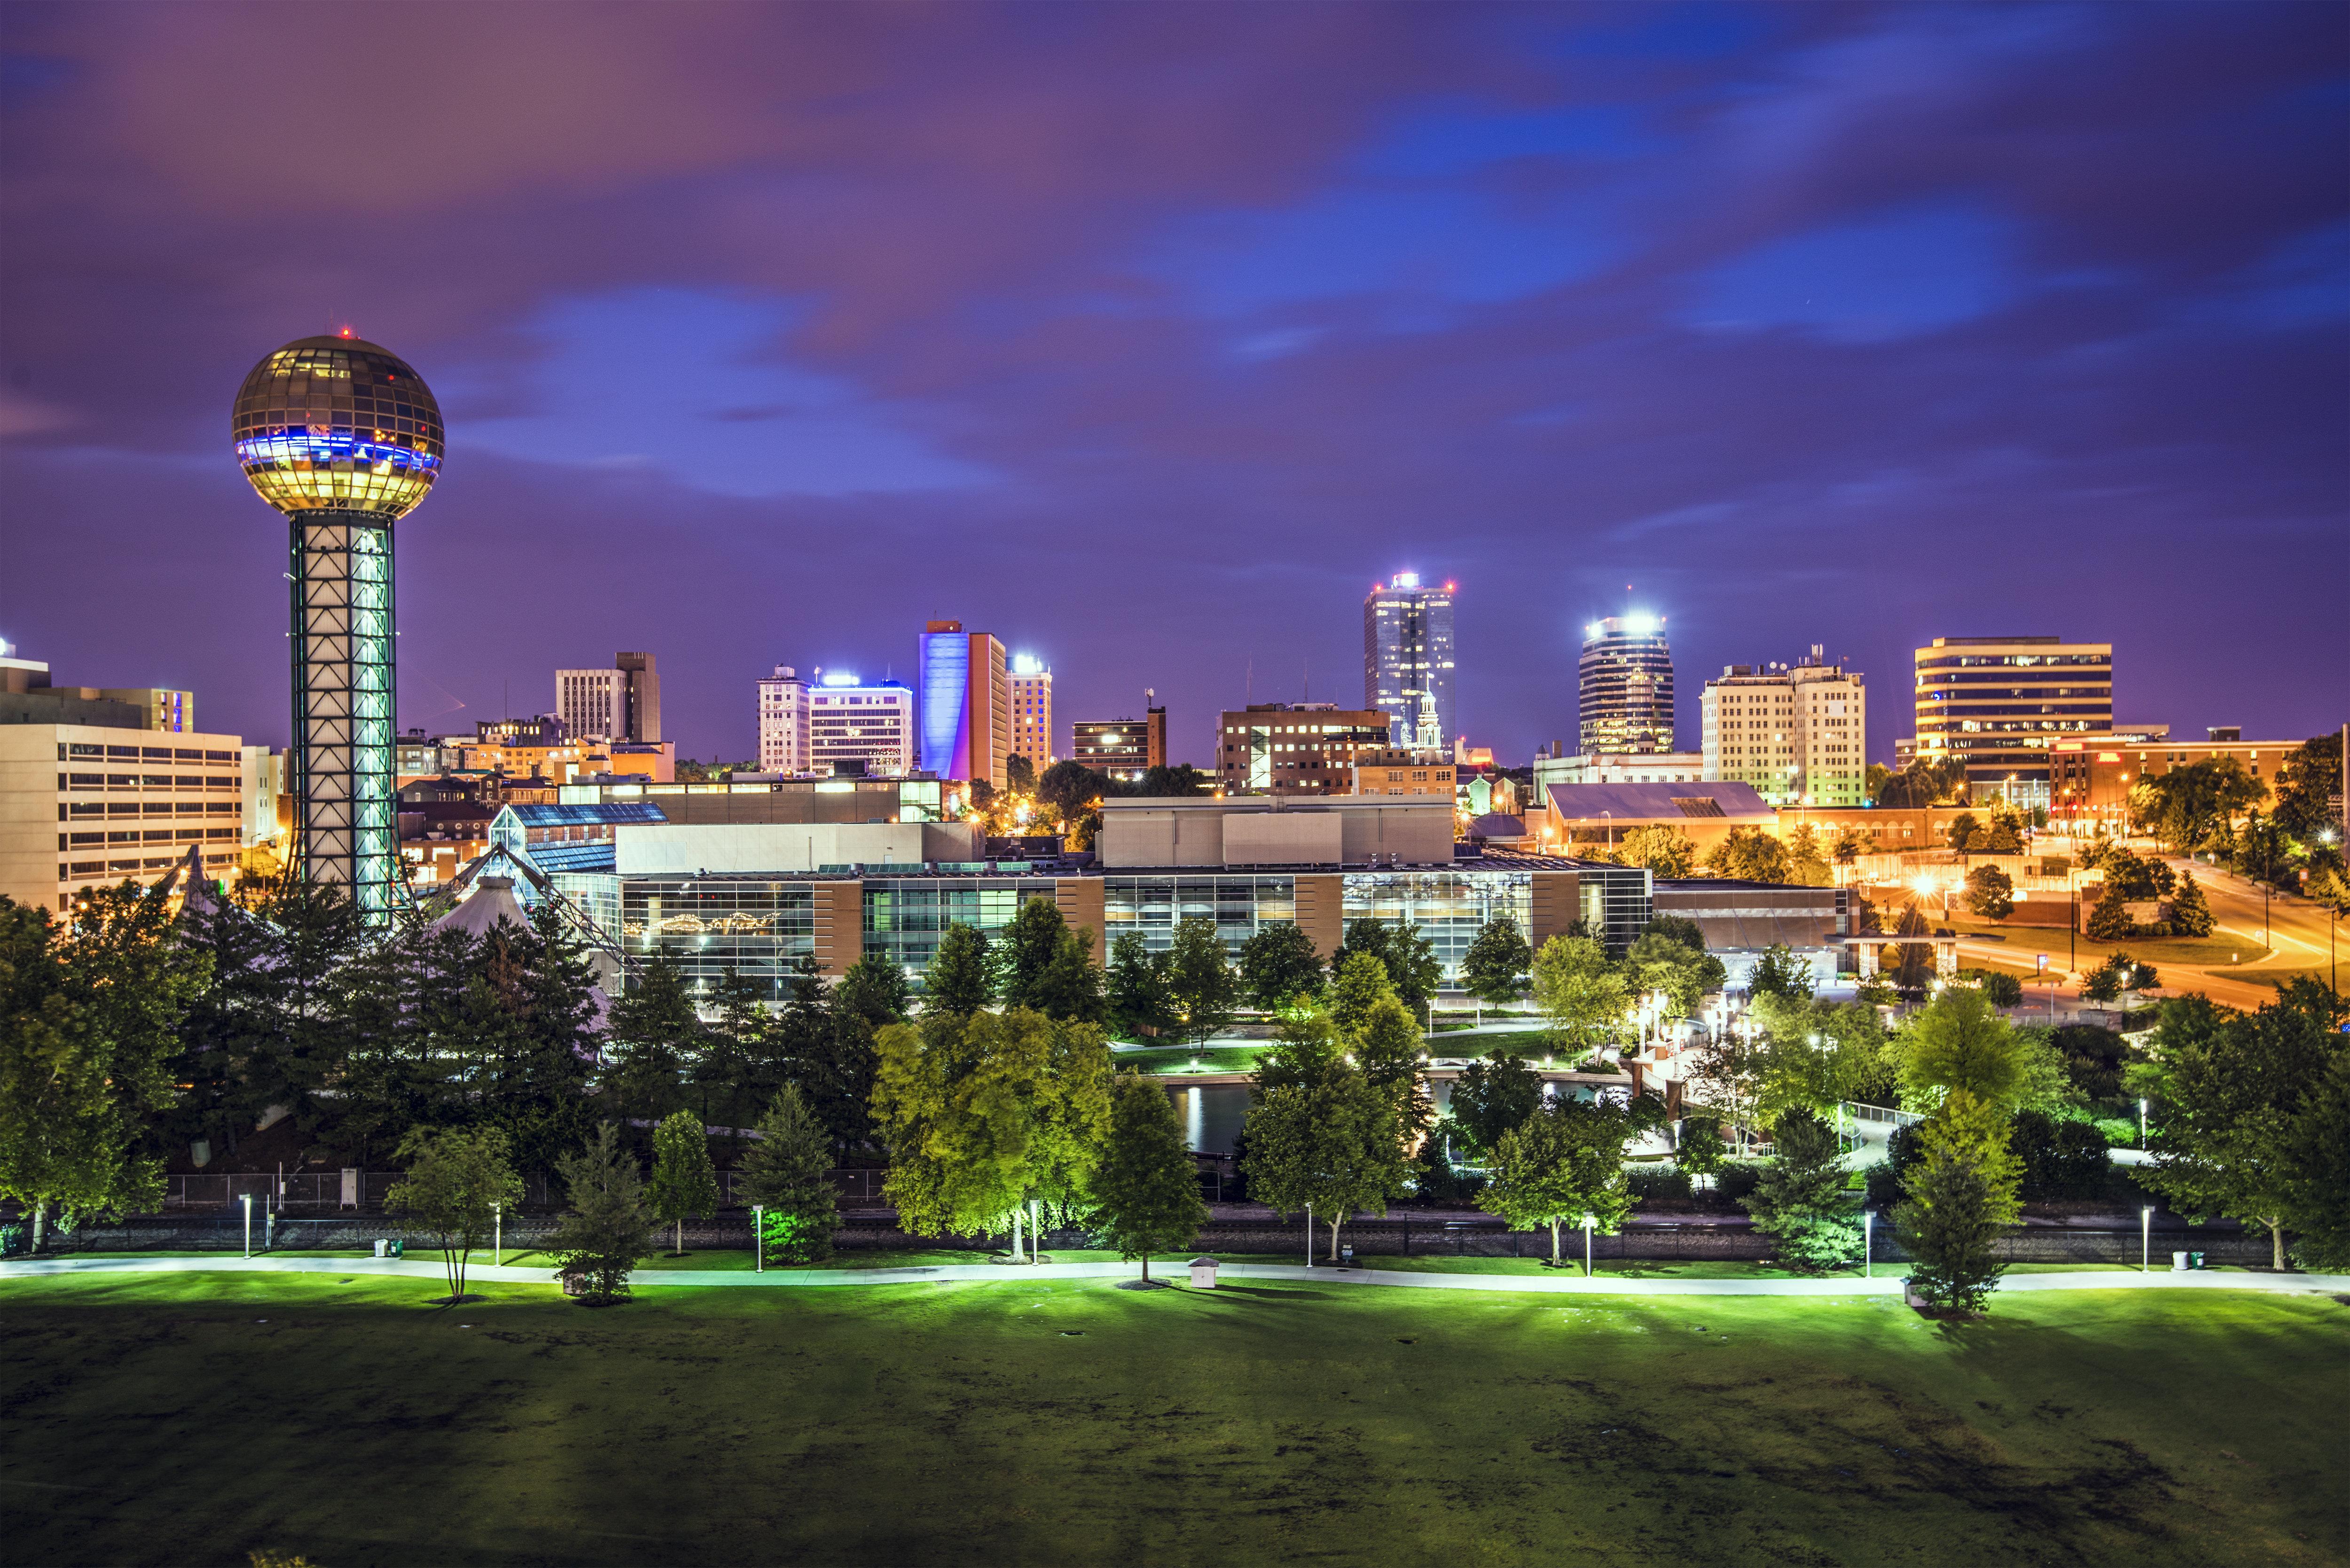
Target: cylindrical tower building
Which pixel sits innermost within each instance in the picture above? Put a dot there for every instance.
(344, 439)
(1626, 698)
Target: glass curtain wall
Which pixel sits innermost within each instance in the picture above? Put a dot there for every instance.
(1154, 906)
(906, 915)
(1449, 906)
(708, 925)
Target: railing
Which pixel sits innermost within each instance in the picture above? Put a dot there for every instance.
(1885, 1116)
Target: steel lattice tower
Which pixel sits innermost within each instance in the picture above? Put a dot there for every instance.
(345, 439)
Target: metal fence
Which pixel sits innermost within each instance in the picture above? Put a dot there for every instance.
(368, 1192)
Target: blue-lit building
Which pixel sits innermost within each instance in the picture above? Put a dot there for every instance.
(965, 683)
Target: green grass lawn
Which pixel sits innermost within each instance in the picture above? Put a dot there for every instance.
(1176, 1059)
(187, 1419)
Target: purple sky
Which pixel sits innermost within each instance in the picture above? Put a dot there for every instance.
(1148, 337)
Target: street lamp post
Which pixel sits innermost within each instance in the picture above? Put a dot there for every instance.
(1309, 1235)
(497, 1233)
(2141, 1125)
(2146, 1240)
(1867, 1244)
(1588, 1222)
(247, 1198)
(758, 1238)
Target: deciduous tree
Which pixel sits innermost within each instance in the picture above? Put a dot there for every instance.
(1145, 1191)
(1491, 1096)
(1564, 1162)
(1279, 965)
(1991, 893)
(960, 981)
(1413, 969)
(1141, 1002)
(1201, 981)
(1666, 852)
(1582, 993)
(458, 1179)
(1330, 1145)
(684, 1184)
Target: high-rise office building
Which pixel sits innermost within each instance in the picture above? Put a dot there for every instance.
(1408, 655)
(1624, 687)
(1797, 732)
(1999, 702)
(345, 439)
(783, 721)
(622, 703)
(852, 722)
(966, 701)
(1031, 684)
(1122, 749)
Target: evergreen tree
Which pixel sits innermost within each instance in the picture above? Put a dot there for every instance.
(1492, 1097)
(1145, 1191)
(1960, 1198)
(684, 1184)
(785, 1172)
(457, 1180)
(960, 982)
(657, 1035)
(874, 990)
(2109, 918)
(1140, 1002)
(1914, 963)
(1495, 969)
(736, 1072)
(1800, 1200)
(607, 1232)
(1279, 966)
(2190, 913)
(1201, 981)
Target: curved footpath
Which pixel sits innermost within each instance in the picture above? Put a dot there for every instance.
(1887, 1283)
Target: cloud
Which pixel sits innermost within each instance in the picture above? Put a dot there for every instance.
(1888, 276)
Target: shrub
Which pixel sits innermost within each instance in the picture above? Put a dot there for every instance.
(1651, 1183)
(1738, 1178)
(2002, 989)
(2060, 1160)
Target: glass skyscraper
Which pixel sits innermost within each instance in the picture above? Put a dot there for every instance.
(1625, 692)
(1408, 654)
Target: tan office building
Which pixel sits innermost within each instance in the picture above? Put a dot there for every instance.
(1798, 734)
(85, 806)
(2003, 703)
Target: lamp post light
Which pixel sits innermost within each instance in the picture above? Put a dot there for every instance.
(247, 1198)
(758, 1238)
(1588, 1222)
(1867, 1244)
(2145, 1239)
(2141, 1125)
(1309, 1235)
(497, 1233)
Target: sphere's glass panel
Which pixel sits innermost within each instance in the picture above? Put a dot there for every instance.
(338, 423)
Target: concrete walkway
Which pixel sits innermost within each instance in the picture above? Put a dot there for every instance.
(1886, 1282)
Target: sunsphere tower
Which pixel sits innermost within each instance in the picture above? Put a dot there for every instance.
(344, 439)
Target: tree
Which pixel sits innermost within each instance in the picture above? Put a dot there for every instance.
(1959, 1041)
(657, 1035)
(1999, 988)
(1145, 1191)
(1963, 828)
(2305, 783)
(1070, 988)
(1019, 774)
(1390, 1050)
(1914, 965)
(2109, 918)
(457, 1181)
(1749, 854)
(2190, 911)
(960, 981)
(1960, 1198)
(1024, 950)
(606, 1231)
(1565, 1162)
(2117, 976)
(2316, 1188)
(1815, 1053)
(1413, 966)
(1329, 1145)
(1700, 1150)
(1779, 973)
(88, 1015)
(1199, 981)
(2184, 804)
(1361, 985)
(2233, 1088)
(1800, 1200)
(1140, 1000)
(874, 990)
(785, 1173)
(2058, 1159)
(1491, 1096)
(1991, 893)
(1579, 991)
(1657, 961)
(1807, 860)
(1279, 965)
(684, 1183)
(1666, 852)
(1070, 788)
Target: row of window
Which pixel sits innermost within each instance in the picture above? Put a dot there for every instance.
(149, 808)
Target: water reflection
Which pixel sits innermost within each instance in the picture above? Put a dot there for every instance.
(1212, 1113)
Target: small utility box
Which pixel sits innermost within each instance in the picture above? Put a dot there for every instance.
(1203, 1273)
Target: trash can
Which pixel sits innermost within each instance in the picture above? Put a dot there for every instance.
(1203, 1273)
(2194, 1259)
(1346, 1257)
(380, 1245)
(575, 1283)
(2179, 1263)
(398, 1247)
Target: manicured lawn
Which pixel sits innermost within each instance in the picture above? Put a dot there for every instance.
(188, 1418)
(1175, 1060)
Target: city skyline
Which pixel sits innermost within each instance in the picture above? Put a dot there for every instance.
(2002, 413)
